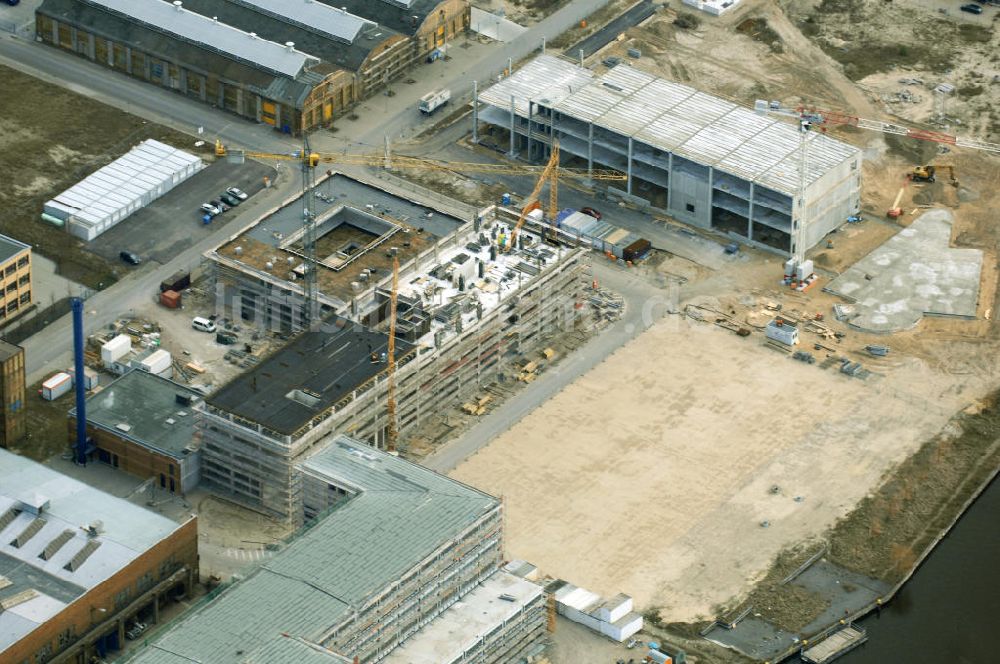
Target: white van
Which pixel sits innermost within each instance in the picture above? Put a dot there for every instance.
(202, 324)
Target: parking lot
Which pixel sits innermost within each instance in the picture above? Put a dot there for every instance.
(173, 223)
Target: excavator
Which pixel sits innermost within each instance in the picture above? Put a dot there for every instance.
(928, 174)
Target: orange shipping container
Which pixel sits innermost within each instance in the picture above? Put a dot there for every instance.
(170, 299)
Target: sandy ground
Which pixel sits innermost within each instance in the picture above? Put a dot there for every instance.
(619, 483)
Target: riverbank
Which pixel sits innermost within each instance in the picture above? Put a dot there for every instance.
(867, 556)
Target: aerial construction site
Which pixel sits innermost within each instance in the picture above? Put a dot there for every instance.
(507, 331)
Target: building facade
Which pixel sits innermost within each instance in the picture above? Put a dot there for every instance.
(392, 551)
(144, 425)
(15, 268)
(289, 65)
(700, 159)
(12, 417)
(77, 566)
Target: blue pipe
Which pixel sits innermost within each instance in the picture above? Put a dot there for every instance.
(81, 379)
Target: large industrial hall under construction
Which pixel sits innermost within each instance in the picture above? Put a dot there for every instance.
(699, 158)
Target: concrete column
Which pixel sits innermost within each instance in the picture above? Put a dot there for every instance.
(475, 111)
(513, 119)
(590, 149)
(55, 32)
(221, 94)
(91, 49)
(531, 114)
(670, 176)
(183, 79)
(121, 633)
(239, 101)
(750, 215)
(74, 39)
(202, 94)
(628, 183)
(277, 116)
(711, 193)
(128, 59)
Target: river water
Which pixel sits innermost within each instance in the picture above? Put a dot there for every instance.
(949, 610)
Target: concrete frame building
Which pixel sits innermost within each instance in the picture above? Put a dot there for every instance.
(394, 546)
(466, 313)
(12, 420)
(700, 159)
(145, 425)
(77, 565)
(291, 65)
(15, 278)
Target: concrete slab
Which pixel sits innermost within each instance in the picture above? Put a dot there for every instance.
(495, 27)
(914, 274)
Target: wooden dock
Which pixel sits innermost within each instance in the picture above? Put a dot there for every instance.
(835, 645)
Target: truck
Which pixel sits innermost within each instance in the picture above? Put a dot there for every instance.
(432, 101)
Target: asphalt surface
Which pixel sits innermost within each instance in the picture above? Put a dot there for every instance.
(595, 42)
(173, 223)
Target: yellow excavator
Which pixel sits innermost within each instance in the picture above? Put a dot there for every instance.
(928, 173)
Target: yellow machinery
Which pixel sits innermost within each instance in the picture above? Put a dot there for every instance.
(929, 174)
(548, 174)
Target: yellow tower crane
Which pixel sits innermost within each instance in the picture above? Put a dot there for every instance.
(392, 432)
(549, 174)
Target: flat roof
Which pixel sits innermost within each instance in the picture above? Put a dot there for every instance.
(68, 506)
(406, 16)
(308, 376)
(314, 16)
(401, 515)
(10, 247)
(194, 27)
(147, 405)
(672, 117)
(466, 622)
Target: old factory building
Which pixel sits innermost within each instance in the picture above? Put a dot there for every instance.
(77, 565)
(293, 65)
(700, 159)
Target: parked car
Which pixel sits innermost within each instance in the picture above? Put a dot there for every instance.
(971, 8)
(219, 204)
(210, 209)
(203, 324)
(233, 191)
(596, 214)
(229, 200)
(135, 631)
(130, 257)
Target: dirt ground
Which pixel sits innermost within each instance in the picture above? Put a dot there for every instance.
(636, 469)
(50, 138)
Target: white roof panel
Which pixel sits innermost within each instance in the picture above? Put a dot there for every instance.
(672, 117)
(312, 16)
(198, 29)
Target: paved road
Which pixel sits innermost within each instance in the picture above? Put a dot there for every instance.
(645, 304)
(595, 42)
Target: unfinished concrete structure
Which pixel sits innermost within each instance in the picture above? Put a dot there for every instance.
(467, 311)
(698, 158)
(396, 547)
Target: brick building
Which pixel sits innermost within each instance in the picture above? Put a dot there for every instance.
(144, 425)
(78, 565)
(292, 65)
(11, 393)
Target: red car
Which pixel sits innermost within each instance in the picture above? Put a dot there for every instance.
(592, 212)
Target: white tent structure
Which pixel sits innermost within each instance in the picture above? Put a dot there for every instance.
(127, 184)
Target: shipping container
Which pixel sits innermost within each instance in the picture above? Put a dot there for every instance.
(171, 299)
(91, 379)
(159, 362)
(56, 386)
(116, 349)
(176, 282)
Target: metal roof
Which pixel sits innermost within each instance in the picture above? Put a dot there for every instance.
(402, 514)
(314, 16)
(672, 117)
(127, 532)
(148, 405)
(10, 247)
(193, 27)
